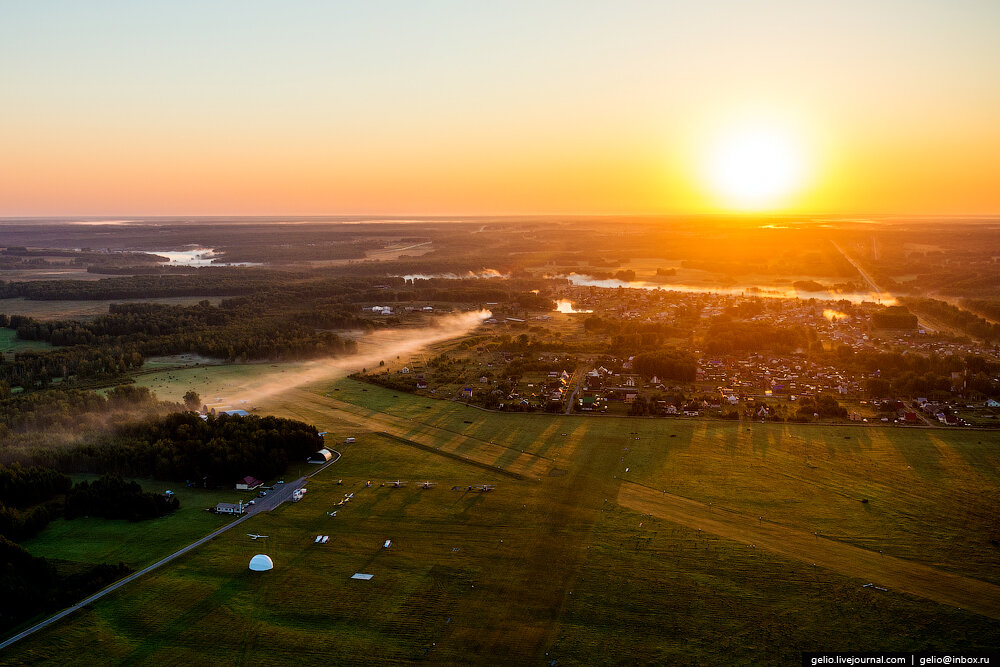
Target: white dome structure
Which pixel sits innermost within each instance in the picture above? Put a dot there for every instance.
(261, 563)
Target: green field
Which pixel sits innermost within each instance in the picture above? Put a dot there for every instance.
(10, 344)
(137, 544)
(556, 563)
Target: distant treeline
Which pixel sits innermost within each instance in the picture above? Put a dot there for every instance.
(733, 337)
(207, 281)
(666, 364)
(632, 337)
(894, 317)
(963, 320)
(915, 375)
(988, 307)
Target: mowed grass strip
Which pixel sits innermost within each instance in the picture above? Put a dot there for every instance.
(895, 573)
(653, 592)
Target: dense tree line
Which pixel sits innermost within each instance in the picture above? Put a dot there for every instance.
(969, 323)
(894, 317)
(988, 307)
(824, 406)
(896, 374)
(742, 337)
(36, 369)
(20, 524)
(112, 497)
(22, 486)
(27, 502)
(207, 281)
(666, 364)
(632, 337)
(30, 586)
(71, 408)
(182, 446)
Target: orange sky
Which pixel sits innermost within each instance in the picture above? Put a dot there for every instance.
(457, 108)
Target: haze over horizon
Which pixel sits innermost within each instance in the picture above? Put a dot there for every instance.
(450, 108)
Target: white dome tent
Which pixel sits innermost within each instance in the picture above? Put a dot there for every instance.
(261, 563)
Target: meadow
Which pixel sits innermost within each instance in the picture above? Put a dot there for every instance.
(605, 541)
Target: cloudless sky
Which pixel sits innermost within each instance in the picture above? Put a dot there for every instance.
(468, 107)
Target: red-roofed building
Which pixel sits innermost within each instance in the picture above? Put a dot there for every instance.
(248, 483)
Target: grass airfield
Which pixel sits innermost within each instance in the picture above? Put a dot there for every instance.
(585, 552)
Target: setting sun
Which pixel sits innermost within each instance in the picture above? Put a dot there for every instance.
(755, 167)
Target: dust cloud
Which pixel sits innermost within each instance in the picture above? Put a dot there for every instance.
(381, 345)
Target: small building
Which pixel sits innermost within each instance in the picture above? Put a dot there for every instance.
(248, 483)
(230, 508)
(322, 456)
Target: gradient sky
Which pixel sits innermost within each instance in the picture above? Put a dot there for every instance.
(468, 107)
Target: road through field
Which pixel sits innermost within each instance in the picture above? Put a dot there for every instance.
(895, 574)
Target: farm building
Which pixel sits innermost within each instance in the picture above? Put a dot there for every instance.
(248, 483)
(322, 456)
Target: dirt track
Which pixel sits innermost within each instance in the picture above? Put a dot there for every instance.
(893, 573)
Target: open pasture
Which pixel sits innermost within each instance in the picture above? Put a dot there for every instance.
(557, 562)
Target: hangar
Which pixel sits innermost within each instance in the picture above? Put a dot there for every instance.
(322, 456)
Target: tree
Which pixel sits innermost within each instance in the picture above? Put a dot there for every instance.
(192, 400)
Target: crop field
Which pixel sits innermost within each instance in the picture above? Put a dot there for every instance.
(85, 310)
(605, 541)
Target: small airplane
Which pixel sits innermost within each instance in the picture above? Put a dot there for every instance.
(398, 484)
(482, 488)
(254, 536)
(334, 513)
(427, 485)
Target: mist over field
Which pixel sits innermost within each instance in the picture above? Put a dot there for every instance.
(373, 347)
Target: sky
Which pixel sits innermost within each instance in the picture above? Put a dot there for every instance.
(464, 107)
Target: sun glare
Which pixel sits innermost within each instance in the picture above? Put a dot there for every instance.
(755, 168)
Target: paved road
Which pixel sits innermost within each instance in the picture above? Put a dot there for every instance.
(280, 494)
(582, 372)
